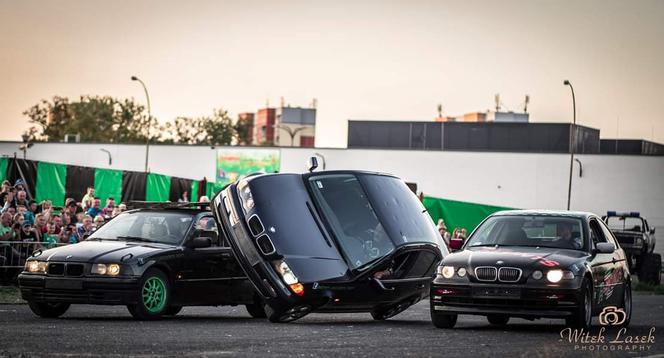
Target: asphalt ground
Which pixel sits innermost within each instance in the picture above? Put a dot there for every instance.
(229, 331)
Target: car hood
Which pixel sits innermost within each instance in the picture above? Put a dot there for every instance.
(526, 258)
(105, 250)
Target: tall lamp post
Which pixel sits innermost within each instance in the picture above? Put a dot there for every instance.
(572, 144)
(147, 140)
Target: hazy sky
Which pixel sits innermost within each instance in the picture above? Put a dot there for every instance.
(360, 59)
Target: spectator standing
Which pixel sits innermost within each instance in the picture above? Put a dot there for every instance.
(70, 209)
(444, 233)
(95, 209)
(184, 198)
(21, 198)
(88, 198)
(107, 211)
(29, 233)
(57, 223)
(6, 231)
(86, 229)
(98, 222)
(50, 238)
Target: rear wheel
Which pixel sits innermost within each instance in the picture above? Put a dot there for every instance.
(47, 309)
(286, 315)
(498, 319)
(256, 310)
(627, 304)
(582, 316)
(153, 296)
(441, 320)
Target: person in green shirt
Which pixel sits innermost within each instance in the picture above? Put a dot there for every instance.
(6, 231)
(50, 238)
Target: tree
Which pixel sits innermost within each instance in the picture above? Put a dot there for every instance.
(243, 129)
(95, 118)
(217, 129)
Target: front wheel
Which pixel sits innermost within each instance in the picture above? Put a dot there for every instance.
(286, 315)
(47, 309)
(441, 320)
(256, 310)
(498, 319)
(582, 316)
(153, 296)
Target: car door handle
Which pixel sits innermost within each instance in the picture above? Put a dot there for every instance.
(381, 285)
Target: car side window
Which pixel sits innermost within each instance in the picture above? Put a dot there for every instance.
(596, 232)
(608, 234)
(207, 227)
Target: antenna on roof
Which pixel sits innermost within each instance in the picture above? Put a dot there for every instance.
(525, 106)
(497, 100)
(440, 110)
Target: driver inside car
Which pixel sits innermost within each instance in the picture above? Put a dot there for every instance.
(565, 233)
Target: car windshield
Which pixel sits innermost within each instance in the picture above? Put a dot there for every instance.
(369, 224)
(625, 223)
(536, 231)
(146, 226)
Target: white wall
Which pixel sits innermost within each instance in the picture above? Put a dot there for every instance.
(609, 182)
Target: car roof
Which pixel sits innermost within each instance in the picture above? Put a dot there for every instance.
(322, 172)
(543, 212)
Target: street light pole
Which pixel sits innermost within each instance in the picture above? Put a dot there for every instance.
(147, 140)
(572, 144)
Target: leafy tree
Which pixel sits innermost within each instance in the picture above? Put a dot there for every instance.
(217, 129)
(243, 133)
(95, 118)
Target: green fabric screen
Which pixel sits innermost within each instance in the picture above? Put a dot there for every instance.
(157, 187)
(4, 163)
(51, 180)
(193, 196)
(459, 213)
(212, 188)
(108, 183)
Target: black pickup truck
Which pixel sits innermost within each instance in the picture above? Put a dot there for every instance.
(637, 238)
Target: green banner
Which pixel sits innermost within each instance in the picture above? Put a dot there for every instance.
(108, 184)
(211, 189)
(459, 214)
(50, 185)
(193, 194)
(234, 163)
(4, 163)
(157, 187)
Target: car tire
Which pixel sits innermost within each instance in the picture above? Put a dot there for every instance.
(582, 316)
(627, 304)
(650, 270)
(48, 309)
(383, 313)
(172, 310)
(498, 319)
(153, 295)
(256, 310)
(441, 320)
(286, 315)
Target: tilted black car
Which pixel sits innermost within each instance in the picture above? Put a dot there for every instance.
(153, 260)
(335, 241)
(534, 264)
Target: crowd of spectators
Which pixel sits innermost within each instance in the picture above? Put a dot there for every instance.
(26, 225)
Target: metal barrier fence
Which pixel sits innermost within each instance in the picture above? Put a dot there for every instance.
(14, 253)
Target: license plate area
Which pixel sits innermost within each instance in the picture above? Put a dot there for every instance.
(64, 284)
(497, 292)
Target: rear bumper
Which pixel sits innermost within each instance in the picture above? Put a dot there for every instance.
(528, 303)
(86, 290)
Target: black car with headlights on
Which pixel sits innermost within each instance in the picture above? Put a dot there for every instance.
(534, 264)
(331, 241)
(155, 260)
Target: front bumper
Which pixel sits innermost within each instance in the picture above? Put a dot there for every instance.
(86, 290)
(513, 300)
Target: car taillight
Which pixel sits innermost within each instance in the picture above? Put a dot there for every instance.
(297, 288)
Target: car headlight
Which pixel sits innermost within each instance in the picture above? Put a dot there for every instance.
(106, 269)
(246, 197)
(554, 276)
(35, 266)
(289, 277)
(461, 272)
(446, 271)
(537, 275)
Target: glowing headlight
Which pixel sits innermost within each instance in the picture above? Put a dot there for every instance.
(285, 272)
(106, 269)
(246, 197)
(35, 266)
(461, 272)
(555, 276)
(113, 269)
(446, 271)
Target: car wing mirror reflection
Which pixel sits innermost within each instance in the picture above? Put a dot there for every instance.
(605, 248)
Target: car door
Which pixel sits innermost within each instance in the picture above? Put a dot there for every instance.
(621, 268)
(209, 273)
(603, 267)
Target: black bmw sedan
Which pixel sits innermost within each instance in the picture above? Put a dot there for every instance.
(534, 264)
(331, 241)
(153, 260)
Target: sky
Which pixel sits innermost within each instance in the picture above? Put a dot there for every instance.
(378, 60)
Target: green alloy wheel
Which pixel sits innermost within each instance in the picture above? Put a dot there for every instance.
(154, 296)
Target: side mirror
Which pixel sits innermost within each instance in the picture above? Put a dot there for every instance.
(652, 231)
(312, 164)
(605, 247)
(200, 242)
